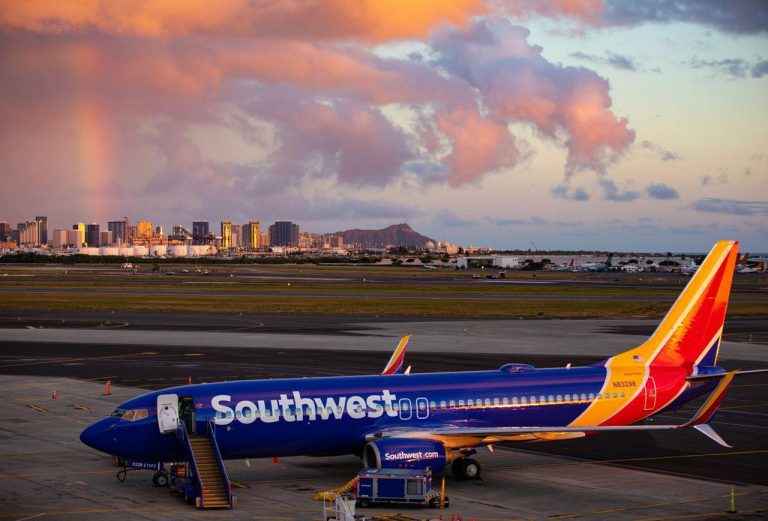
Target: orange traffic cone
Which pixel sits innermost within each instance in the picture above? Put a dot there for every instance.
(108, 388)
(275, 460)
(53, 393)
(189, 381)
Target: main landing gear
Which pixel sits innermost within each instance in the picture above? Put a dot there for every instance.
(466, 468)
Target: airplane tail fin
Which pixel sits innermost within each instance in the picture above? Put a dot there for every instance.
(689, 335)
(395, 363)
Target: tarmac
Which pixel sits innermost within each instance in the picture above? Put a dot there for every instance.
(46, 473)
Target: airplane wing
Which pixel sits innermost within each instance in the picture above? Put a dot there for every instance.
(395, 364)
(487, 435)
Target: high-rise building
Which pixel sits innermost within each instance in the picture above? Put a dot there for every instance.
(200, 232)
(120, 231)
(105, 238)
(81, 228)
(43, 220)
(144, 231)
(158, 231)
(237, 235)
(75, 238)
(251, 235)
(226, 234)
(60, 239)
(29, 233)
(264, 240)
(5, 230)
(284, 233)
(92, 235)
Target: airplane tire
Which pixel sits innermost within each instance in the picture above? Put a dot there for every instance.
(470, 469)
(364, 503)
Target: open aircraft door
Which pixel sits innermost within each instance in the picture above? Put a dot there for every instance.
(168, 412)
(650, 394)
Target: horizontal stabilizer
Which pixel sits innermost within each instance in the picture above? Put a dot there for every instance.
(738, 372)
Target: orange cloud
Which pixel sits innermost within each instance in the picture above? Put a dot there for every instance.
(374, 20)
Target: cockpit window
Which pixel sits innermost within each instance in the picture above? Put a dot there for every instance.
(131, 415)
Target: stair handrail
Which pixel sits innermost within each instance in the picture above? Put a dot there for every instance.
(183, 434)
(211, 426)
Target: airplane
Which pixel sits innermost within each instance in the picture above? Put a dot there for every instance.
(429, 267)
(436, 420)
(756, 268)
(597, 266)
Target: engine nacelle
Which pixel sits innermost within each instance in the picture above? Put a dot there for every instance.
(405, 453)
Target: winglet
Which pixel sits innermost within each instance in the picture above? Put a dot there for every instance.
(710, 406)
(395, 364)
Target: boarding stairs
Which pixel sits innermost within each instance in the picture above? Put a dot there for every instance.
(214, 488)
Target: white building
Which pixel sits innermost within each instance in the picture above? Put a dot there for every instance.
(488, 261)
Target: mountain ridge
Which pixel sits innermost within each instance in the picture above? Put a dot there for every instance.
(394, 235)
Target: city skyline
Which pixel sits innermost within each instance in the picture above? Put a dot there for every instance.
(610, 125)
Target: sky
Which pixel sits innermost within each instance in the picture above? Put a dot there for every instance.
(564, 124)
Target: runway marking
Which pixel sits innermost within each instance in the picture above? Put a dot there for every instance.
(194, 354)
(608, 510)
(237, 484)
(31, 517)
(35, 407)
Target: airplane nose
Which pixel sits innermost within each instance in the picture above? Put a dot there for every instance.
(97, 436)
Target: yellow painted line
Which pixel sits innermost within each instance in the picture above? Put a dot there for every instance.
(652, 505)
(35, 407)
(563, 516)
(695, 500)
(194, 354)
(237, 484)
(81, 407)
(609, 510)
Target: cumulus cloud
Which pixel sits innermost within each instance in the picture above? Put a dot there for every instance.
(298, 84)
(661, 191)
(730, 206)
(759, 69)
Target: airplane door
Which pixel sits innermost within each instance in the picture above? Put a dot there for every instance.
(650, 394)
(167, 412)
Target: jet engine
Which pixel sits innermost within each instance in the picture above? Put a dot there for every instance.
(405, 453)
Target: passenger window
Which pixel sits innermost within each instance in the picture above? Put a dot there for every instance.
(584, 396)
(533, 399)
(522, 400)
(488, 402)
(452, 404)
(461, 403)
(614, 396)
(470, 403)
(505, 401)
(591, 396)
(559, 398)
(568, 397)
(442, 405)
(495, 401)
(551, 399)
(622, 395)
(432, 405)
